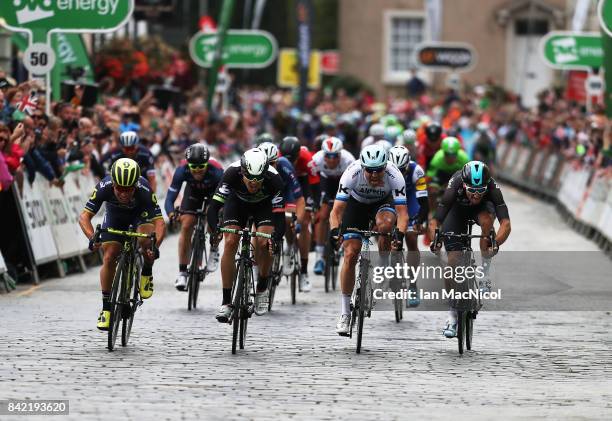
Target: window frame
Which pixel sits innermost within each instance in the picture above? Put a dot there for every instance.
(390, 76)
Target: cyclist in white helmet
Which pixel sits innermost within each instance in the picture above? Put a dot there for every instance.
(369, 190)
(330, 163)
(376, 133)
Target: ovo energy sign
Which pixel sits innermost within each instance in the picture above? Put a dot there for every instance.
(572, 50)
(65, 15)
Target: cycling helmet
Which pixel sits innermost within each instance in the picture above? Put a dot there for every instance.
(128, 139)
(451, 145)
(318, 142)
(264, 137)
(433, 131)
(377, 130)
(409, 137)
(254, 162)
(373, 156)
(331, 145)
(290, 148)
(270, 150)
(125, 172)
(399, 156)
(475, 174)
(197, 154)
(392, 132)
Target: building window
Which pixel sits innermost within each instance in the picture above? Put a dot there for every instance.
(404, 31)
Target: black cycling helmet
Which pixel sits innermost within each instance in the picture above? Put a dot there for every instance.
(290, 148)
(319, 141)
(433, 131)
(264, 137)
(476, 174)
(197, 154)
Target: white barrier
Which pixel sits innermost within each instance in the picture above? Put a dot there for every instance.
(596, 197)
(74, 201)
(2, 265)
(38, 223)
(573, 188)
(605, 222)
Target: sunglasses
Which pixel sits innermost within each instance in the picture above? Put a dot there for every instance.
(476, 190)
(375, 170)
(122, 189)
(332, 155)
(197, 167)
(256, 178)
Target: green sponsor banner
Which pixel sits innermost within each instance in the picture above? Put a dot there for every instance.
(241, 49)
(70, 54)
(571, 50)
(65, 15)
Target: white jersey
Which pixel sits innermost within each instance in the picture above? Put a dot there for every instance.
(346, 159)
(354, 184)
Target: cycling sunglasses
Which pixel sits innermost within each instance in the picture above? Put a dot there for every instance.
(332, 155)
(197, 167)
(256, 178)
(375, 170)
(122, 189)
(476, 190)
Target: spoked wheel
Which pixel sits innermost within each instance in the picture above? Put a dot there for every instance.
(360, 316)
(235, 326)
(244, 319)
(274, 280)
(293, 279)
(116, 307)
(129, 310)
(461, 315)
(469, 329)
(193, 284)
(399, 309)
(238, 303)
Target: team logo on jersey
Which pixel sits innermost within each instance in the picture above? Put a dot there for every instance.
(93, 194)
(277, 199)
(342, 189)
(421, 184)
(224, 189)
(401, 192)
(154, 198)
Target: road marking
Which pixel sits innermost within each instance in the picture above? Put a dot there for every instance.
(29, 291)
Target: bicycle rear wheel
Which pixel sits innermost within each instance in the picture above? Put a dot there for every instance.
(193, 283)
(116, 305)
(461, 330)
(238, 304)
(360, 317)
(275, 279)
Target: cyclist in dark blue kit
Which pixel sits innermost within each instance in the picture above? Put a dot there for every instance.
(131, 148)
(202, 175)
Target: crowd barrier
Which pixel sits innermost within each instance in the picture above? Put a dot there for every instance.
(583, 195)
(50, 215)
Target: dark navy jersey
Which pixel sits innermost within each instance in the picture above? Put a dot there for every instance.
(143, 203)
(143, 157)
(232, 185)
(205, 187)
(455, 193)
(292, 190)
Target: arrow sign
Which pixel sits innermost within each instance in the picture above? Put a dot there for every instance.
(572, 50)
(243, 49)
(444, 56)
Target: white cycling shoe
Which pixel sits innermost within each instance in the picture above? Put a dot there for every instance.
(304, 283)
(224, 313)
(344, 325)
(213, 260)
(181, 281)
(287, 262)
(450, 330)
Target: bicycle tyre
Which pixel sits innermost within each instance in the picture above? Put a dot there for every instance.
(360, 317)
(274, 280)
(460, 330)
(469, 330)
(293, 281)
(237, 304)
(398, 309)
(193, 281)
(334, 272)
(131, 307)
(115, 313)
(244, 320)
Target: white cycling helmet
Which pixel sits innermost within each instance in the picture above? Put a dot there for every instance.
(128, 139)
(271, 151)
(409, 136)
(373, 156)
(331, 145)
(377, 130)
(399, 156)
(254, 162)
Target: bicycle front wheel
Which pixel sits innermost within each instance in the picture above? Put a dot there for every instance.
(116, 305)
(130, 309)
(360, 316)
(469, 330)
(238, 304)
(461, 315)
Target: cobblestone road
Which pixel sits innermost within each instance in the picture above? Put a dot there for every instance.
(178, 364)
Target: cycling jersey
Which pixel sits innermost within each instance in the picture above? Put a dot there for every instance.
(143, 157)
(304, 166)
(416, 193)
(346, 159)
(239, 203)
(354, 184)
(455, 194)
(141, 209)
(441, 171)
(195, 188)
(292, 190)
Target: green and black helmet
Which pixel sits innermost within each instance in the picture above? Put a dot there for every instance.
(125, 172)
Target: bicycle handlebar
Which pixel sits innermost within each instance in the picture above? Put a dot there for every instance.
(244, 231)
(368, 233)
(439, 237)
